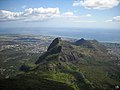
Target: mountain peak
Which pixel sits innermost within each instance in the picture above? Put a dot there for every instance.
(81, 41)
(54, 48)
(55, 42)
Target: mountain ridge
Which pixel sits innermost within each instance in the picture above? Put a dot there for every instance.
(76, 51)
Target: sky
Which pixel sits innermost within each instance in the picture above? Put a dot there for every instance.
(60, 13)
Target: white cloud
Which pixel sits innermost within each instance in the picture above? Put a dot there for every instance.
(30, 14)
(72, 15)
(88, 15)
(41, 14)
(77, 3)
(9, 16)
(86, 21)
(108, 21)
(97, 4)
(114, 19)
(24, 6)
(68, 14)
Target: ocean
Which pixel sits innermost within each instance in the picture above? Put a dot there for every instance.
(105, 35)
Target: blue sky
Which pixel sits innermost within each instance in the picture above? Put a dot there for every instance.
(60, 13)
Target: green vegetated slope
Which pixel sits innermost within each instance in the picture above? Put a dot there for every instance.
(82, 65)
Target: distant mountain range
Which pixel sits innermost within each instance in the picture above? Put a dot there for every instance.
(79, 65)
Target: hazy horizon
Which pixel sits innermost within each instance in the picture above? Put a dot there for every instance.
(104, 35)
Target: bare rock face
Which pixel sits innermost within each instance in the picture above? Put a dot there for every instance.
(54, 48)
(55, 42)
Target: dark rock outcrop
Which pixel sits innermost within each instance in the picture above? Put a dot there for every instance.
(55, 42)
